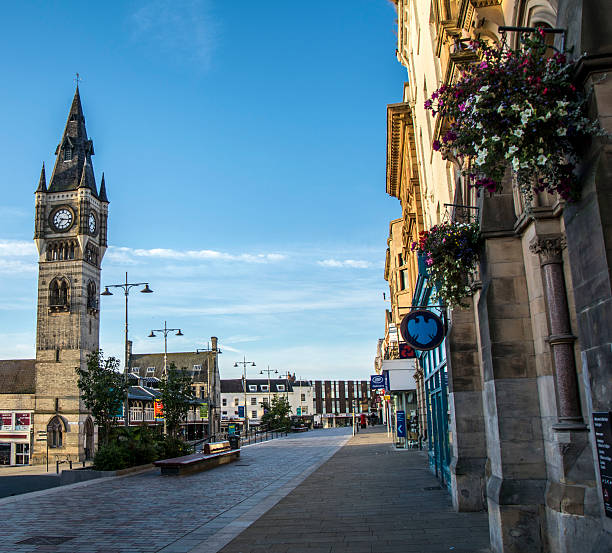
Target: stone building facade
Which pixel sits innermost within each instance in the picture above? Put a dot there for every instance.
(529, 359)
(70, 233)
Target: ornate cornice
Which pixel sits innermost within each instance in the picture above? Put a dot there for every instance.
(548, 248)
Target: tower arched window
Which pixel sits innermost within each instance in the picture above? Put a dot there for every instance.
(68, 153)
(63, 292)
(54, 296)
(55, 432)
(92, 297)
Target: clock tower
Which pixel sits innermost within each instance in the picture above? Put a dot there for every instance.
(70, 235)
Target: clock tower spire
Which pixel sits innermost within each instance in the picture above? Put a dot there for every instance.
(70, 235)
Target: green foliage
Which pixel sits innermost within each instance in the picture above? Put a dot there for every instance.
(518, 108)
(451, 253)
(102, 389)
(276, 416)
(175, 395)
(141, 445)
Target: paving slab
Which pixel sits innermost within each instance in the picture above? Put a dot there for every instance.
(370, 498)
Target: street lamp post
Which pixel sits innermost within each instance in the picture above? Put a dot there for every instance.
(268, 370)
(210, 389)
(244, 364)
(126, 287)
(165, 331)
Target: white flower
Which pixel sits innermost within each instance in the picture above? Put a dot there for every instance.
(516, 107)
(541, 159)
(479, 125)
(512, 149)
(518, 132)
(526, 115)
(484, 88)
(515, 163)
(482, 154)
(495, 138)
(476, 99)
(562, 131)
(548, 115)
(500, 108)
(562, 103)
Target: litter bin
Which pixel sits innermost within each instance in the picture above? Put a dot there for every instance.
(234, 441)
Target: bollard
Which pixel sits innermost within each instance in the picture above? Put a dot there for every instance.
(70, 464)
(56, 467)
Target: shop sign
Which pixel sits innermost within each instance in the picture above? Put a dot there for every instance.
(422, 329)
(6, 421)
(158, 409)
(377, 382)
(22, 421)
(241, 411)
(602, 423)
(400, 417)
(387, 398)
(298, 411)
(204, 410)
(406, 351)
(231, 429)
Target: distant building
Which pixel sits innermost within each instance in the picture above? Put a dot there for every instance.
(335, 400)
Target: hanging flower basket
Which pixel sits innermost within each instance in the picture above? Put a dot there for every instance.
(517, 108)
(451, 252)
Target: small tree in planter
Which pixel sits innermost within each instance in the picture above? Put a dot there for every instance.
(451, 252)
(517, 108)
(176, 395)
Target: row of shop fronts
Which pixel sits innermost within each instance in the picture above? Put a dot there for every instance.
(15, 437)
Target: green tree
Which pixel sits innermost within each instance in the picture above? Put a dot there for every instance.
(176, 397)
(102, 389)
(276, 415)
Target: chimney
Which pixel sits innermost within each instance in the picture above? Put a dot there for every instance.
(213, 343)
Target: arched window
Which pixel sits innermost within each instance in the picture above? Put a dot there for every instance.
(92, 297)
(54, 295)
(63, 293)
(68, 153)
(55, 432)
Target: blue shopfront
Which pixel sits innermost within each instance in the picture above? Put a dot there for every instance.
(435, 384)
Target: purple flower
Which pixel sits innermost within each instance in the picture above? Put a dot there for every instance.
(436, 145)
(461, 106)
(427, 104)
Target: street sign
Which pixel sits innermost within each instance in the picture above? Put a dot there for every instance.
(204, 410)
(422, 329)
(298, 411)
(401, 424)
(377, 382)
(602, 424)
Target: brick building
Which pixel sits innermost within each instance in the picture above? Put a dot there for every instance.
(335, 400)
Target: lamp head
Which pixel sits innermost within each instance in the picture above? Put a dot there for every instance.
(179, 333)
(106, 292)
(146, 290)
(253, 364)
(260, 372)
(235, 364)
(152, 335)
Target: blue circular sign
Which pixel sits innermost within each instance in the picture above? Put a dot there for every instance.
(422, 329)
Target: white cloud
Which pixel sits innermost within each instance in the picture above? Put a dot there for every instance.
(183, 26)
(352, 263)
(17, 248)
(123, 255)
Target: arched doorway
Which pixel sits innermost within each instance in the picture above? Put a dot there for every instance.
(89, 438)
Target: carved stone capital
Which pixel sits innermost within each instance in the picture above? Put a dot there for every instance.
(549, 248)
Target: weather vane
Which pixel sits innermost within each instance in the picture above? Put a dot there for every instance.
(78, 79)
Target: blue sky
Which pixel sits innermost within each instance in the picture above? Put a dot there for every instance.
(244, 148)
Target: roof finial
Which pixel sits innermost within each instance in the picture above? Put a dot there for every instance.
(77, 80)
(42, 183)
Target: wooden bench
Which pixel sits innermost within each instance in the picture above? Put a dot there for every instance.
(299, 429)
(214, 454)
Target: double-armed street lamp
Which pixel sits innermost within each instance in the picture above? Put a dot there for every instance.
(126, 287)
(268, 370)
(165, 331)
(244, 364)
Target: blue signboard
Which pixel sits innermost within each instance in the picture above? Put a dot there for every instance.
(377, 382)
(401, 424)
(298, 411)
(241, 411)
(422, 329)
(387, 381)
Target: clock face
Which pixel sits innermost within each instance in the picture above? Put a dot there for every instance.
(62, 219)
(92, 223)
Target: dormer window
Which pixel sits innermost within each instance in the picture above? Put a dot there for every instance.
(280, 387)
(68, 153)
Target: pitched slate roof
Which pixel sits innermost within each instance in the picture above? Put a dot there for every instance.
(17, 376)
(234, 385)
(139, 362)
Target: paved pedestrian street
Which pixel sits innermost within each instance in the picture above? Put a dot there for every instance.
(303, 493)
(148, 512)
(368, 498)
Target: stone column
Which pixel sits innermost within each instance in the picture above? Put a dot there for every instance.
(561, 339)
